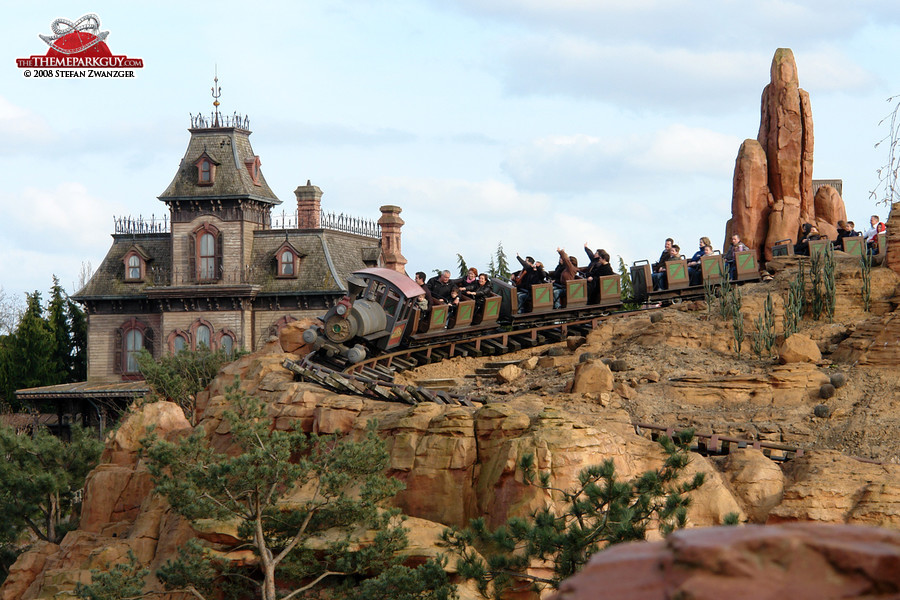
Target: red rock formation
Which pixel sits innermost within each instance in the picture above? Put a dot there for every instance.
(751, 199)
(796, 561)
(781, 135)
(770, 208)
(829, 206)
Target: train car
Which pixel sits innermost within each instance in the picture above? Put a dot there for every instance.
(379, 313)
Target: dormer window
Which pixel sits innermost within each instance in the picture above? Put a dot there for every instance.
(206, 169)
(252, 165)
(286, 264)
(287, 261)
(135, 261)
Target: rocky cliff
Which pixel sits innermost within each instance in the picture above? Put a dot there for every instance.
(565, 405)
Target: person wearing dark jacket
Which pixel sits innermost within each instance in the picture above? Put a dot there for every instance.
(598, 268)
(483, 289)
(440, 287)
(532, 273)
(420, 279)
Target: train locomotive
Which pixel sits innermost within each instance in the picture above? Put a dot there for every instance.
(373, 316)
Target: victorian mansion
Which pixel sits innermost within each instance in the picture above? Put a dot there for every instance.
(220, 271)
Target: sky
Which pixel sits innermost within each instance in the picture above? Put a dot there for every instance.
(529, 123)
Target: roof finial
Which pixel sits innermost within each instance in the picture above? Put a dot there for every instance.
(216, 93)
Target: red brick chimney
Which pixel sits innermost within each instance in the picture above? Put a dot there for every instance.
(309, 206)
(391, 223)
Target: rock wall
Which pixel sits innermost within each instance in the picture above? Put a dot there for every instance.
(770, 208)
(458, 463)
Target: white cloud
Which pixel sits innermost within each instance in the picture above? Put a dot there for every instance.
(641, 76)
(67, 218)
(582, 163)
(688, 150)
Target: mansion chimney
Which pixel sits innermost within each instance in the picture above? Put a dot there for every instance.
(309, 206)
(391, 223)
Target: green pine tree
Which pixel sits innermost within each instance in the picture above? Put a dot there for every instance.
(118, 582)
(492, 268)
(600, 510)
(78, 355)
(627, 291)
(461, 264)
(39, 478)
(58, 320)
(346, 489)
(29, 352)
(503, 271)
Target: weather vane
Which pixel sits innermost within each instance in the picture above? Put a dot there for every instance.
(216, 94)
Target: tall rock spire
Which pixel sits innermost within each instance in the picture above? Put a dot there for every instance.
(773, 190)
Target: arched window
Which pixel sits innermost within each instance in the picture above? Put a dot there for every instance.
(178, 344)
(287, 263)
(134, 267)
(207, 256)
(206, 169)
(132, 337)
(202, 337)
(227, 344)
(134, 343)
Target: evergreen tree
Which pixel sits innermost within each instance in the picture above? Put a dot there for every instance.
(29, 352)
(78, 328)
(121, 582)
(627, 292)
(39, 478)
(58, 320)
(346, 486)
(492, 268)
(502, 263)
(461, 264)
(600, 510)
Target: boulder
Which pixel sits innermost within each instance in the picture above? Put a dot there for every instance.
(530, 363)
(757, 482)
(798, 348)
(508, 374)
(829, 208)
(592, 377)
(797, 561)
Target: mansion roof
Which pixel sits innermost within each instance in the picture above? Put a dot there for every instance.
(229, 148)
(327, 259)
